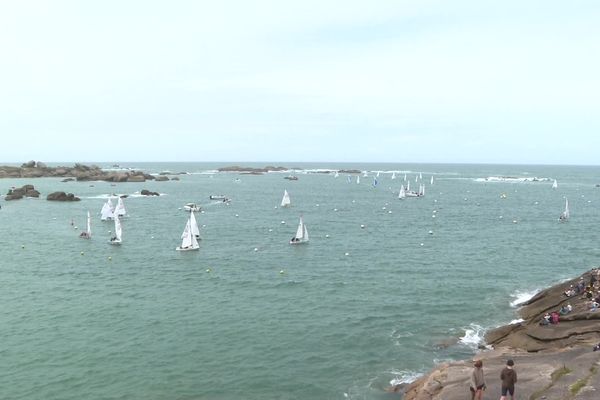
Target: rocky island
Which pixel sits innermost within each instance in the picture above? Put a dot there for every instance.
(250, 170)
(554, 361)
(80, 172)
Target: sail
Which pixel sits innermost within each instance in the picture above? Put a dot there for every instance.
(431, 182)
(186, 230)
(555, 184)
(357, 178)
(120, 208)
(304, 233)
(402, 193)
(285, 201)
(300, 230)
(89, 224)
(422, 190)
(408, 186)
(194, 226)
(186, 236)
(336, 174)
(107, 211)
(393, 175)
(375, 182)
(349, 179)
(118, 229)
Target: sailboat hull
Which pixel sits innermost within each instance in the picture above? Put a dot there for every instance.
(186, 248)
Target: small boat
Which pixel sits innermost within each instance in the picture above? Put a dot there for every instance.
(285, 201)
(291, 177)
(188, 239)
(564, 216)
(118, 238)
(107, 212)
(301, 235)
(191, 207)
(88, 232)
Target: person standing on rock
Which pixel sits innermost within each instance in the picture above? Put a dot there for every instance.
(477, 384)
(509, 378)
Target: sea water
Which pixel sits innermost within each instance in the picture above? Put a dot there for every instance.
(385, 289)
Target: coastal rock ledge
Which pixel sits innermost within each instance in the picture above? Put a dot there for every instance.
(553, 362)
(80, 172)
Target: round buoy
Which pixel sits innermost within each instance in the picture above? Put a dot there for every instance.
(237, 215)
(362, 226)
(283, 222)
(335, 209)
(281, 272)
(433, 216)
(390, 211)
(22, 246)
(151, 237)
(500, 217)
(270, 230)
(326, 236)
(431, 232)
(422, 244)
(317, 204)
(346, 254)
(109, 258)
(256, 249)
(82, 253)
(514, 221)
(276, 207)
(208, 270)
(383, 208)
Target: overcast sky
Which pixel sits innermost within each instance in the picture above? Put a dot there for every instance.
(459, 81)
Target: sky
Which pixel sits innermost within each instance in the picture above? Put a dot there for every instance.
(514, 82)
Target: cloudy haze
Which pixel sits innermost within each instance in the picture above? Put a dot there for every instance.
(390, 81)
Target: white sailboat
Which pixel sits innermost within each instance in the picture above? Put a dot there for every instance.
(357, 179)
(107, 211)
(337, 174)
(393, 175)
(564, 216)
(88, 232)
(301, 235)
(188, 239)
(285, 201)
(402, 194)
(120, 208)
(431, 181)
(555, 185)
(118, 238)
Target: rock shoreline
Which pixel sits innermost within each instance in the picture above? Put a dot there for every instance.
(554, 361)
(79, 172)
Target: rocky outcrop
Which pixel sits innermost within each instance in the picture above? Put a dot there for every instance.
(161, 178)
(553, 361)
(23, 191)
(145, 192)
(62, 196)
(237, 168)
(79, 172)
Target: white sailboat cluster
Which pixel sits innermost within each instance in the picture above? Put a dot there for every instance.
(404, 193)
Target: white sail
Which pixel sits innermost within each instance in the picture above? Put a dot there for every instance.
(194, 226)
(337, 174)
(555, 184)
(565, 214)
(378, 174)
(420, 176)
(404, 177)
(393, 175)
(87, 234)
(118, 238)
(357, 178)
(408, 186)
(120, 208)
(422, 190)
(188, 239)
(301, 235)
(285, 201)
(107, 211)
(431, 181)
(402, 193)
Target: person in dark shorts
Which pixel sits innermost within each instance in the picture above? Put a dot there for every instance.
(509, 378)
(477, 383)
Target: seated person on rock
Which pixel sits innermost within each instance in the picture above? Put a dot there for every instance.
(545, 319)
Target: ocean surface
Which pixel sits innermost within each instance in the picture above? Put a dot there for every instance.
(385, 289)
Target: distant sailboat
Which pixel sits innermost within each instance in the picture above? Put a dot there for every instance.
(188, 239)
(301, 234)
(357, 179)
(88, 233)
(349, 179)
(564, 216)
(337, 174)
(107, 211)
(555, 185)
(378, 174)
(285, 201)
(431, 182)
(404, 177)
(393, 175)
(375, 181)
(118, 238)
(402, 194)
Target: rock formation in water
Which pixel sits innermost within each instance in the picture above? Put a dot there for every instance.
(23, 191)
(80, 172)
(553, 361)
(62, 196)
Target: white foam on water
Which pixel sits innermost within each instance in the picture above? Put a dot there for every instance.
(473, 336)
(404, 376)
(516, 321)
(521, 296)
